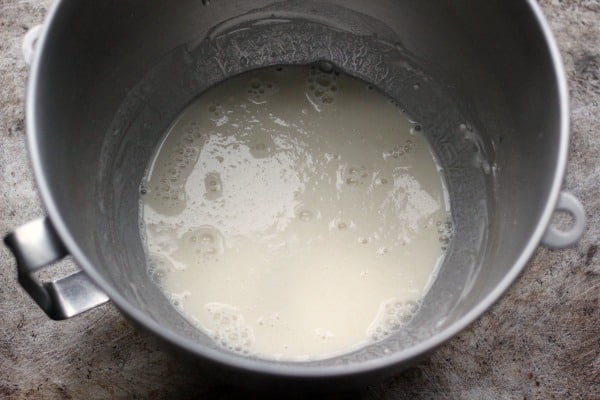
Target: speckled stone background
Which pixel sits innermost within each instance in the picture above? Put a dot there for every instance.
(541, 341)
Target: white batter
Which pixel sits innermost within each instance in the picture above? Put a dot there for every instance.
(294, 214)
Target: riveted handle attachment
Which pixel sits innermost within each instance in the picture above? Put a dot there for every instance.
(29, 43)
(36, 245)
(558, 239)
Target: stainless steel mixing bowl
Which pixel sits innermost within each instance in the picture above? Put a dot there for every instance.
(484, 79)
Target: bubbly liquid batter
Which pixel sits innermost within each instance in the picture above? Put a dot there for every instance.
(294, 214)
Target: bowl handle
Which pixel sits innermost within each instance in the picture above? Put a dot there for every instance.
(35, 245)
(558, 239)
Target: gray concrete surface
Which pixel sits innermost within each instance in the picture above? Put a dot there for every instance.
(541, 341)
